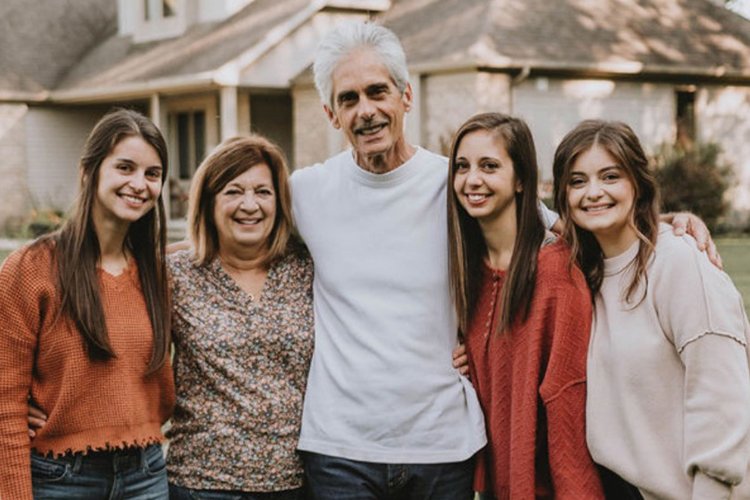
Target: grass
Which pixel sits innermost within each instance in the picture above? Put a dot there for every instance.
(734, 251)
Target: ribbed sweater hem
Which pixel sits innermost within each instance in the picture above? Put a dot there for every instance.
(99, 439)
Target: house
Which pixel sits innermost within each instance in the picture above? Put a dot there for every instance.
(205, 70)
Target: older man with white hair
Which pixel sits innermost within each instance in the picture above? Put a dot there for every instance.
(386, 415)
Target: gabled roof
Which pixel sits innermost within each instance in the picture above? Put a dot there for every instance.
(41, 41)
(73, 53)
(119, 65)
(690, 37)
(69, 50)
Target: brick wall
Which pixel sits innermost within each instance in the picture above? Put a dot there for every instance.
(552, 107)
(449, 99)
(311, 128)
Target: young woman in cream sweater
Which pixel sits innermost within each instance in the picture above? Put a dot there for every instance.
(668, 401)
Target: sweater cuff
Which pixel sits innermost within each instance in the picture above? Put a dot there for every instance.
(707, 488)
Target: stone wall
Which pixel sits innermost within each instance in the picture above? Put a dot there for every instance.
(311, 128)
(552, 107)
(14, 190)
(723, 116)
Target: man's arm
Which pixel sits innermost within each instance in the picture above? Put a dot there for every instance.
(682, 222)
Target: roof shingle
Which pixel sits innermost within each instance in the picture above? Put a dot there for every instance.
(650, 35)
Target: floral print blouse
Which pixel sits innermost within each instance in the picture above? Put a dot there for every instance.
(240, 373)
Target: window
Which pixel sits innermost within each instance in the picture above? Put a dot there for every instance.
(189, 147)
(159, 9)
(159, 19)
(685, 116)
(168, 8)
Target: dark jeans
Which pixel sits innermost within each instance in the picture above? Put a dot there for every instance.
(332, 478)
(180, 493)
(135, 473)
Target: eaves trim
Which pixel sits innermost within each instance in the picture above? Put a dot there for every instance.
(136, 90)
(611, 69)
(21, 96)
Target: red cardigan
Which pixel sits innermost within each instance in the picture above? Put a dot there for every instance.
(531, 383)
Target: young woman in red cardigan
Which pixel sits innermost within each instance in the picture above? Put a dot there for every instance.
(85, 332)
(525, 314)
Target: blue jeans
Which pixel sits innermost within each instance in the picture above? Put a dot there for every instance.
(134, 473)
(180, 493)
(333, 478)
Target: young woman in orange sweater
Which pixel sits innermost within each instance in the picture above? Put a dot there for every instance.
(525, 314)
(85, 332)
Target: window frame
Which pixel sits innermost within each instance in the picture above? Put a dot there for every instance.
(206, 104)
(152, 24)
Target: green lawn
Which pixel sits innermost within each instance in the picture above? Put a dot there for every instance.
(734, 251)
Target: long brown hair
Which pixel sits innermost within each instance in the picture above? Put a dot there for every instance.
(77, 246)
(467, 245)
(619, 140)
(232, 158)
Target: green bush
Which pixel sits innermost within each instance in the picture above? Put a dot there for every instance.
(693, 179)
(42, 221)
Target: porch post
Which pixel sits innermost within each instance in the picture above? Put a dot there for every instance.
(228, 112)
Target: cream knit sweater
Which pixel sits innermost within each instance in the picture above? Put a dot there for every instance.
(668, 405)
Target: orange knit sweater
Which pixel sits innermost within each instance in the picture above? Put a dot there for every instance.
(531, 383)
(90, 405)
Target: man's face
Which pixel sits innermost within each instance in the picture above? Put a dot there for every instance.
(368, 107)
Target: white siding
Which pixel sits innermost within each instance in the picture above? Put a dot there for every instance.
(54, 139)
(127, 17)
(215, 10)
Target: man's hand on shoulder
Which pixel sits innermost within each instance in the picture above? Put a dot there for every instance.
(685, 222)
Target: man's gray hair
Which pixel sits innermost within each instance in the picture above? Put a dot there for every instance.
(349, 36)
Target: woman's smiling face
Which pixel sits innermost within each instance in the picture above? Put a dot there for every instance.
(601, 196)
